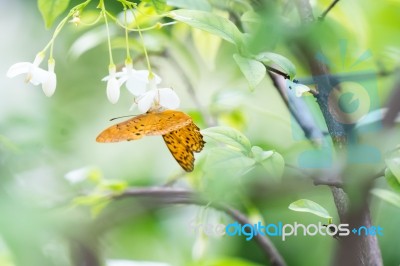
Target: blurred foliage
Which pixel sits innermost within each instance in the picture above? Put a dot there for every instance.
(54, 175)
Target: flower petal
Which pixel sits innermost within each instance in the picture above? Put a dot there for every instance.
(301, 89)
(168, 98)
(38, 59)
(146, 101)
(18, 69)
(49, 86)
(38, 75)
(113, 90)
(138, 81)
(144, 75)
(136, 86)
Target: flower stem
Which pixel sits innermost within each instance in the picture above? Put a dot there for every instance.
(128, 53)
(144, 47)
(104, 12)
(61, 25)
(158, 25)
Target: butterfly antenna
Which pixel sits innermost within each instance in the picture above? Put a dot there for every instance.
(112, 119)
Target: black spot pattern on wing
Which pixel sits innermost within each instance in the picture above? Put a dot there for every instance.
(150, 124)
(182, 144)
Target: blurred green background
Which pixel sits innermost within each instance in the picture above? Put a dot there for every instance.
(42, 139)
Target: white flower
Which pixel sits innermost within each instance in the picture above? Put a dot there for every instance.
(137, 81)
(75, 20)
(164, 97)
(113, 85)
(155, 98)
(50, 84)
(35, 74)
(143, 86)
(299, 89)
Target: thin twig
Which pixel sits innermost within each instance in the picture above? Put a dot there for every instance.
(182, 196)
(323, 15)
(277, 71)
(349, 76)
(328, 182)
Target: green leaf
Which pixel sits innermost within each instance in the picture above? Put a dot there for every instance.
(228, 161)
(96, 202)
(229, 137)
(96, 209)
(207, 45)
(251, 17)
(273, 162)
(51, 9)
(259, 154)
(393, 163)
(114, 186)
(285, 64)
(235, 6)
(191, 4)
(88, 200)
(392, 180)
(159, 5)
(305, 205)
(211, 23)
(387, 195)
(253, 70)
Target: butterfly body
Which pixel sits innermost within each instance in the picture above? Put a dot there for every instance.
(180, 134)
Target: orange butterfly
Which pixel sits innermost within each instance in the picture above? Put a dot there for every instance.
(179, 132)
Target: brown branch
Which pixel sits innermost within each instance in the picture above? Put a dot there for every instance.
(298, 109)
(277, 71)
(350, 76)
(323, 15)
(328, 182)
(352, 250)
(181, 196)
(393, 106)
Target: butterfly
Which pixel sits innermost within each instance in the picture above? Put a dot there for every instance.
(180, 134)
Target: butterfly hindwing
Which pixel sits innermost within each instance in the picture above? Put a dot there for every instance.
(182, 143)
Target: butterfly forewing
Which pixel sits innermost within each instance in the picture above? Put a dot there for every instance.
(149, 124)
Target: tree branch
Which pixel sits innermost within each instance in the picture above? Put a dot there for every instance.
(393, 106)
(349, 76)
(298, 109)
(352, 251)
(323, 15)
(181, 196)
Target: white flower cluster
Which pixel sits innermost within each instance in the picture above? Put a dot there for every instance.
(35, 74)
(143, 85)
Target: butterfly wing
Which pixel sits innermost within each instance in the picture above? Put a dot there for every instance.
(182, 143)
(149, 124)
